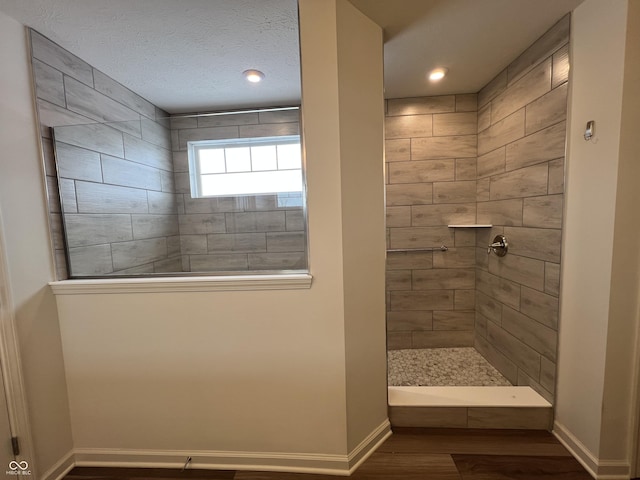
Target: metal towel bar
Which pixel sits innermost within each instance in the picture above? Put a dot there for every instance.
(442, 248)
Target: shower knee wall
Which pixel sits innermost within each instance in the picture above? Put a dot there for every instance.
(495, 157)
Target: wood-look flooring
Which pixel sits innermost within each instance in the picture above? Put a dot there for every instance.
(412, 454)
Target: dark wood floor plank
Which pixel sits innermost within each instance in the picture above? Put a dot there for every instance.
(101, 473)
(515, 467)
(380, 466)
(470, 441)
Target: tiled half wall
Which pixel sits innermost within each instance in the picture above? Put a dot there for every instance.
(492, 158)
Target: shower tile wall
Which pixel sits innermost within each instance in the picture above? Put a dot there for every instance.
(431, 182)
(521, 148)
(117, 180)
(260, 232)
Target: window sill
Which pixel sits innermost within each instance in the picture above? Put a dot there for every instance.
(182, 284)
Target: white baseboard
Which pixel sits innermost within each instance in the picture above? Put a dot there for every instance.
(598, 469)
(60, 468)
(227, 460)
(369, 445)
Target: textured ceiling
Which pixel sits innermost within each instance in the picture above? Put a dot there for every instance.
(182, 55)
(189, 55)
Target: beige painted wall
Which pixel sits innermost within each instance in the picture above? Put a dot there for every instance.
(361, 111)
(599, 306)
(258, 371)
(28, 253)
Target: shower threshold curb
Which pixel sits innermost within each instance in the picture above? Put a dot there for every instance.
(459, 396)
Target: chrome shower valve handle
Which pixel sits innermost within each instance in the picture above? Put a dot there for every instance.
(499, 246)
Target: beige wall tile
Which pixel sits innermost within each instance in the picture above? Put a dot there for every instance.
(492, 89)
(540, 307)
(526, 418)
(454, 192)
(484, 117)
(483, 190)
(138, 252)
(531, 86)
(524, 182)
(540, 243)
(464, 299)
(442, 338)
(90, 260)
(480, 325)
(482, 258)
(77, 163)
(423, 300)
(467, 102)
(434, 417)
(547, 144)
(86, 229)
(60, 59)
(277, 261)
(49, 83)
(441, 279)
(282, 242)
(552, 40)
(464, 237)
(150, 226)
(489, 307)
(248, 222)
(526, 380)
(496, 358)
(466, 169)
(501, 212)
(408, 126)
(492, 163)
(398, 216)
(421, 105)
(560, 67)
(282, 116)
(552, 279)
(398, 150)
(409, 194)
(525, 357)
(542, 339)
(523, 270)
(462, 257)
(556, 176)
(432, 215)
(454, 320)
(501, 133)
(547, 110)
(548, 374)
(398, 280)
(409, 260)
(268, 130)
(206, 121)
(90, 198)
(409, 321)
(447, 124)
(502, 290)
(201, 223)
(462, 146)
(543, 212)
(212, 263)
(398, 340)
(422, 171)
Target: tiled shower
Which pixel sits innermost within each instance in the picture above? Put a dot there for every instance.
(495, 157)
(124, 192)
(492, 157)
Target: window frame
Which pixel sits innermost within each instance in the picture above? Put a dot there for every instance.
(195, 174)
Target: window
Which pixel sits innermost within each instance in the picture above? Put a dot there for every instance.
(248, 166)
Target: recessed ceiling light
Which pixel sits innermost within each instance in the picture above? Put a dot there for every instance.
(437, 74)
(254, 76)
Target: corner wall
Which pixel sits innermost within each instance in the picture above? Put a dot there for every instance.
(254, 379)
(29, 259)
(596, 411)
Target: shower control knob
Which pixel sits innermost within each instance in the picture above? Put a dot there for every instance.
(499, 246)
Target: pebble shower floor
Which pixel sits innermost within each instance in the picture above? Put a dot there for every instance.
(441, 367)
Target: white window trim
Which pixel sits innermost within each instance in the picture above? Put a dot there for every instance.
(195, 177)
(285, 281)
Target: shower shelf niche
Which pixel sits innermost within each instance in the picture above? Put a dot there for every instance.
(472, 225)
